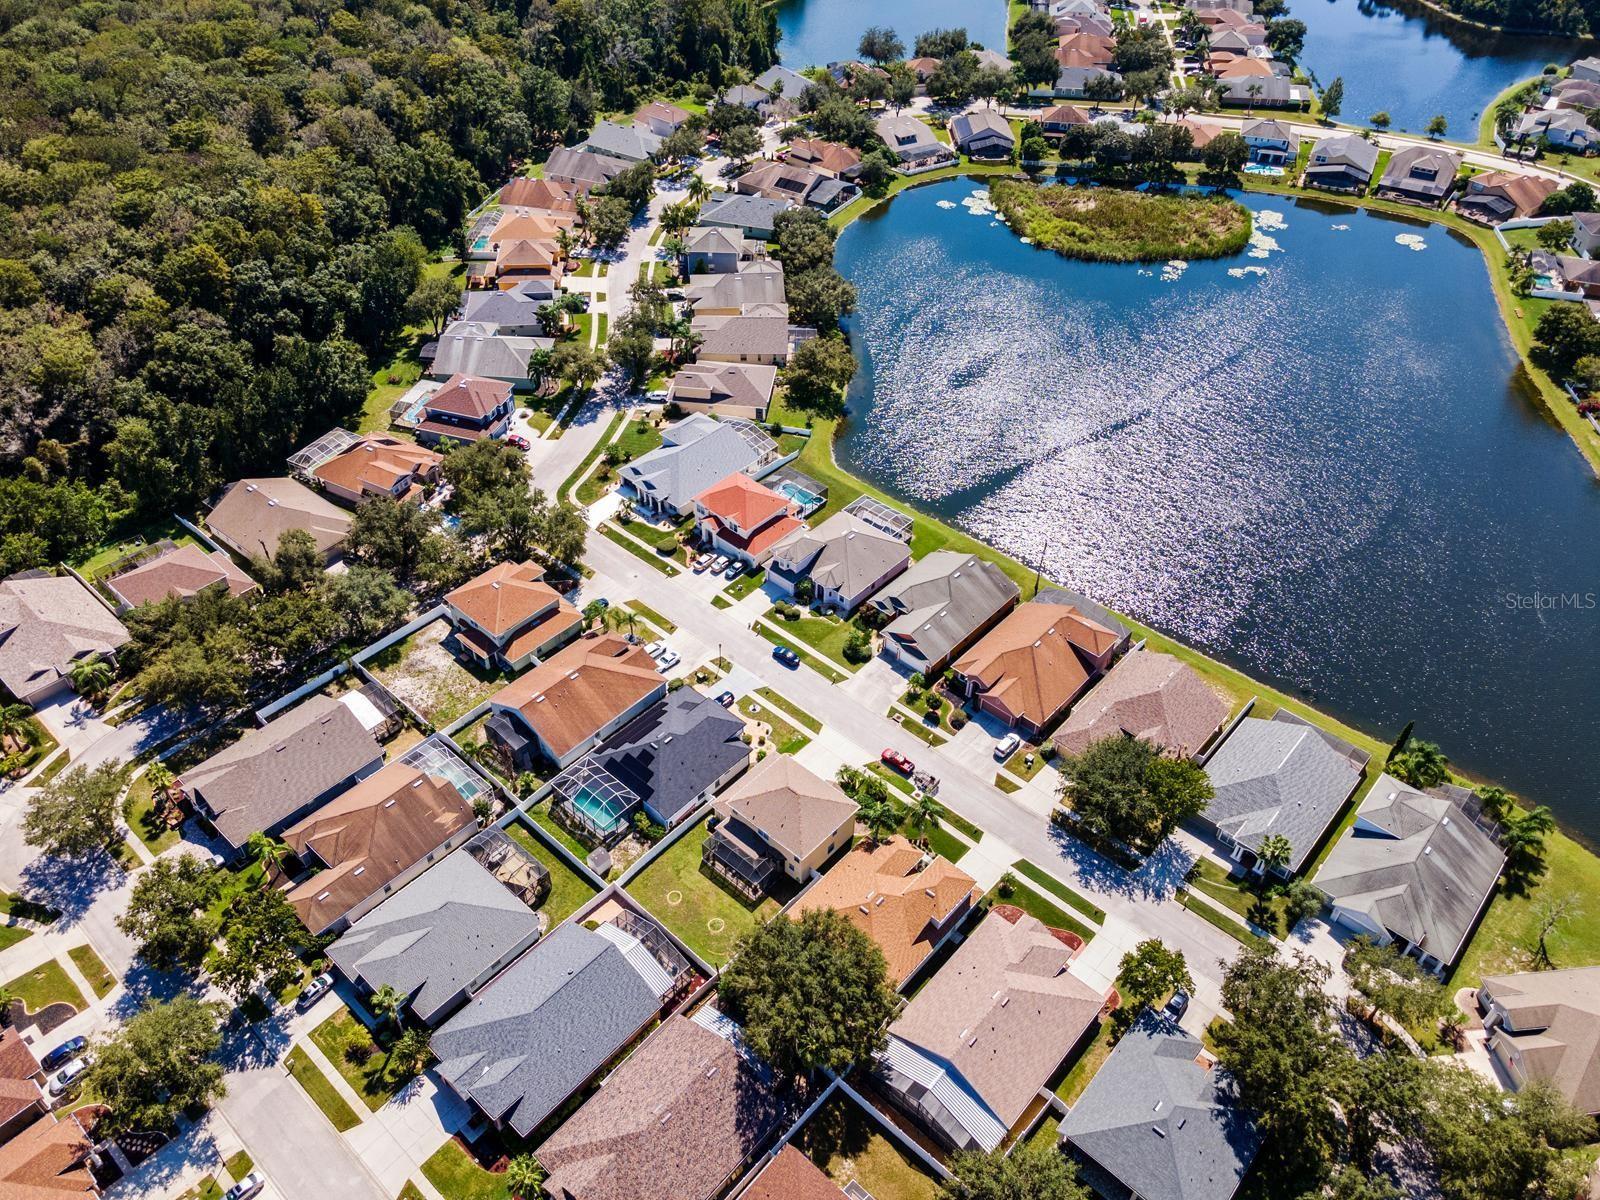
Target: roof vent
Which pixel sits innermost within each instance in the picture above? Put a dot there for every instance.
(1446, 821)
(323, 897)
(417, 782)
(865, 911)
(1158, 1131)
(389, 803)
(358, 871)
(1427, 849)
(495, 585)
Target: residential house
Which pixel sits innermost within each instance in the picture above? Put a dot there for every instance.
(467, 408)
(715, 251)
(22, 1101)
(969, 1055)
(923, 68)
(1036, 662)
(724, 389)
(847, 558)
(759, 334)
(520, 225)
(1075, 80)
(686, 1112)
(732, 293)
(1420, 175)
(785, 88)
(661, 118)
(48, 1160)
(513, 311)
(508, 617)
(1201, 131)
(743, 519)
(750, 215)
(1581, 275)
(1097, 23)
(1342, 162)
(572, 700)
(634, 143)
(1272, 143)
(666, 762)
(254, 514)
(1061, 118)
(982, 133)
(1415, 869)
(545, 195)
(583, 171)
(1576, 93)
(182, 571)
(1586, 233)
(379, 465)
(746, 95)
(791, 1176)
(944, 603)
(291, 766)
(1146, 695)
(833, 159)
(1497, 196)
(1202, 7)
(1162, 1119)
(1241, 90)
(795, 185)
(694, 453)
(439, 939)
(1544, 1027)
(1566, 129)
(1587, 69)
(372, 840)
(553, 1019)
(993, 58)
(519, 260)
(470, 350)
(906, 901)
(1282, 777)
(913, 142)
(779, 819)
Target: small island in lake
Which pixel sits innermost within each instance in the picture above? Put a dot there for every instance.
(1109, 225)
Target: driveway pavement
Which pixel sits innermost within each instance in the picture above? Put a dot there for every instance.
(292, 1142)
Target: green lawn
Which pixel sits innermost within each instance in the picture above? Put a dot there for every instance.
(643, 553)
(665, 538)
(745, 584)
(322, 1093)
(46, 984)
(457, 1177)
(238, 1165)
(139, 810)
(790, 709)
(207, 1189)
(127, 542)
(410, 1192)
(93, 968)
(1017, 764)
(695, 905)
(721, 601)
(1005, 783)
(1234, 929)
(1036, 905)
(785, 737)
(10, 935)
(826, 635)
(1508, 936)
(569, 891)
(913, 724)
(849, 1145)
(582, 468)
(1076, 1077)
(367, 1076)
(1265, 911)
(820, 666)
(651, 615)
(13, 905)
(53, 768)
(1058, 889)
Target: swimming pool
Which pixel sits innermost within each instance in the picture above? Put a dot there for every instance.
(1261, 169)
(605, 816)
(806, 500)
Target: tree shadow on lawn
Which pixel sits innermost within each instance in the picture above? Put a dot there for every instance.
(72, 885)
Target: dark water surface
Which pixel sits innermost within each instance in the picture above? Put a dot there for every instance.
(1415, 65)
(1330, 475)
(818, 32)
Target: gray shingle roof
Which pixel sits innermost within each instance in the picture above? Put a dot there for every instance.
(622, 141)
(694, 454)
(1414, 864)
(790, 83)
(490, 309)
(735, 290)
(1278, 777)
(844, 553)
(755, 213)
(968, 125)
(941, 600)
(1345, 149)
(673, 751)
(46, 624)
(436, 936)
(549, 1022)
(1166, 1126)
(472, 348)
(578, 166)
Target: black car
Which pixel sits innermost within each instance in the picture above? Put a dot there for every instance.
(726, 699)
(64, 1053)
(786, 656)
(1177, 1006)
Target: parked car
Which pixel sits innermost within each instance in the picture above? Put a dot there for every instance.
(517, 440)
(601, 603)
(246, 1187)
(720, 563)
(668, 660)
(65, 1079)
(700, 563)
(725, 699)
(656, 649)
(659, 395)
(893, 758)
(315, 990)
(1177, 1006)
(1007, 746)
(786, 656)
(735, 569)
(64, 1053)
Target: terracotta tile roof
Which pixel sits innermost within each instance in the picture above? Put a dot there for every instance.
(1241, 67)
(369, 836)
(1151, 696)
(526, 252)
(742, 501)
(45, 1162)
(660, 110)
(538, 193)
(182, 572)
(469, 396)
(1525, 192)
(572, 695)
(1030, 662)
(763, 539)
(504, 597)
(673, 1122)
(1065, 114)
(526, 225)
(796, 809)
(830, 156)
(18, 1089)
(882, 892)
(1086, 50)
(792, 1176)
(378, 462)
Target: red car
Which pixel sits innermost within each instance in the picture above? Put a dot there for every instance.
(898, 761)
(517, 440)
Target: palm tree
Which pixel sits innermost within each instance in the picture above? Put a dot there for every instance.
(524, 1177)
(91, 676)
(268, 851)
(386, 1003)
(14, 722)
(566, 242)
(699, 189)
(880, 817)
(924, 816)
(682, 338)
(160, 777)
(1253, 90)
(409, 1054)
(1274, 851)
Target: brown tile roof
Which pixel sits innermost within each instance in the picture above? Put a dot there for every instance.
(526, 252)
(469, 396)
(1149, 695)
(1003, 1011)
(19, 1091)
(1203, 131)
(882, 892)
(1086, 50)
(369, 836)
(1553, 1029)
(532, 226)
(792, 1176)
(923, 66)
(1525, 192)
(255, 513)
(557, 623)
(573, 694)
(378, 461)
(829, 156)
(45, 1162)
(1241, 67)
(1065, 114)
(673, 1122)
(662, 111)
(181, 572)
(797, 810)
(538, 193)
(1029, 662)
(504, 597)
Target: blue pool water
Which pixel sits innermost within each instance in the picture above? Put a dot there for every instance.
(799, 495)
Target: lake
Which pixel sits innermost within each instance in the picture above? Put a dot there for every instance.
(818, 32)
(1414, 64)
(1320, 464)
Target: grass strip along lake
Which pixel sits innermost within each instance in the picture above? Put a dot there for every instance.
(1111, 225)
(1318, 460)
